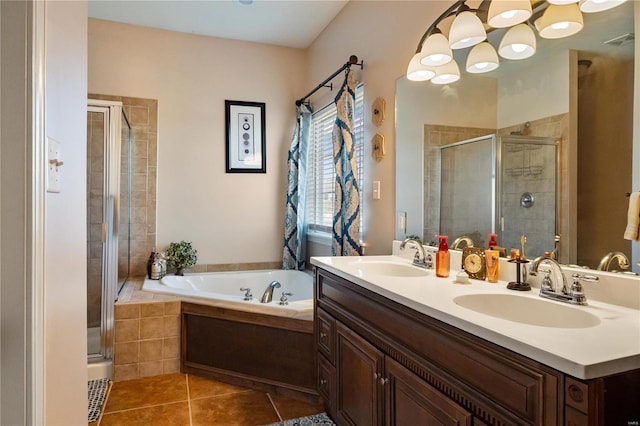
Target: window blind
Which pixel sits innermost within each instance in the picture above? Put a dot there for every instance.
(320, 167)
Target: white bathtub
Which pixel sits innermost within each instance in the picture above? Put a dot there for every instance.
(223, 289)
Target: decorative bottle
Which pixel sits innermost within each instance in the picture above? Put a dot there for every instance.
(442, 258)
(150, 261)
(156, 268)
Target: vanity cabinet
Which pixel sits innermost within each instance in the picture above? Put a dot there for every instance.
(382, 363)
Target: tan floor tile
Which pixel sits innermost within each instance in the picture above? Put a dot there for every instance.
(200, 387)
(292, 408)
(176, 414)
(146, 392)
(248, 408)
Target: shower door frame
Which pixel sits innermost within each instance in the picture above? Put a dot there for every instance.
(110, 221)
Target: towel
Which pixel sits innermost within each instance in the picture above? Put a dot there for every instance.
(632, 232)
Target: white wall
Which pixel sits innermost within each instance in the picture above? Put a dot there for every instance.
(385, 36)
(635, 246)
(65, 283)
(536, 91)
(228, 217)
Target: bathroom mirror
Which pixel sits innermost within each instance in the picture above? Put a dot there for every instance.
(578, 91)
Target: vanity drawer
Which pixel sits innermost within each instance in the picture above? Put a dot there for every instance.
(326, 381)
(326, 337)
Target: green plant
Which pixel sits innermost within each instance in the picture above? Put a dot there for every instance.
(181, 255)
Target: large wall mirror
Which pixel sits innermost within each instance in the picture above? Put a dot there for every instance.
(574, 96)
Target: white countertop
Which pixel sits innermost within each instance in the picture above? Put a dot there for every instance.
(612, 346)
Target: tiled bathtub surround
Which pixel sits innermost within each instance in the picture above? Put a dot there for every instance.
(147, 339)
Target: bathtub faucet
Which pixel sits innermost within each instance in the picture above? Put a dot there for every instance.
(268, 293)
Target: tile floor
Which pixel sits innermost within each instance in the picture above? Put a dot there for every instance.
(188, 400)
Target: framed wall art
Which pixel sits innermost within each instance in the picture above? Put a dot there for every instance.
(245, 137)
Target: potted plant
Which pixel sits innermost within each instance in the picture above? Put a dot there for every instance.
(181, 255)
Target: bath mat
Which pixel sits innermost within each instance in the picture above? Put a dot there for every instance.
(317, 419)
(97, 391)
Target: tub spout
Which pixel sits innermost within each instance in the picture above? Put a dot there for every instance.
(268, 293)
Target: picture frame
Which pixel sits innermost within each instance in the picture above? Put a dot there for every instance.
(245, 137)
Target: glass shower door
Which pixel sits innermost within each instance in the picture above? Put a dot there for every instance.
(108, 213)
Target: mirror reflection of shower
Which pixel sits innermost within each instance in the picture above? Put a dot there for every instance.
(502, 184)
(108, 223)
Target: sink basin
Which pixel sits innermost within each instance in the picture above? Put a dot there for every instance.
(389, 269)
(526, 310)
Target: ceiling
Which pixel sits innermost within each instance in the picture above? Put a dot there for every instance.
(292, 23)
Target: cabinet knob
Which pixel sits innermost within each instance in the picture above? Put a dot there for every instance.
(323, 381)
(383, 381)
(323, 335)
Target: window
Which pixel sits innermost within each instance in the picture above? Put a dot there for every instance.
(320, 168)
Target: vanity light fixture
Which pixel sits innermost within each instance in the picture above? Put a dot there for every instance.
(507, 13)
(447, 73)
(466, 30)
(482, 58)
(519, 42)
(553, 19)
(559, 21)
(591, 6)
(416, 71)
(436, 50)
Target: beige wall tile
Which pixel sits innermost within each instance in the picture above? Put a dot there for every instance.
(150, 350)
(151, 368)
(170, 366)
(172, 308)
(171, 347)
(126, 353)
(151, 309)
(151, 328)
(171, 325)
(127, 330)
(125, 372)
(127, 311)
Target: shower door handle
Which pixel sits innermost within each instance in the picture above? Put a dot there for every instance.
(104, 233)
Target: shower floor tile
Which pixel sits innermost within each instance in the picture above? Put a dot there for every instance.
(181, 399)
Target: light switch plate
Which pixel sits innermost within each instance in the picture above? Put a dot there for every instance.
(54, 163)
(376, 189)
(402, 222)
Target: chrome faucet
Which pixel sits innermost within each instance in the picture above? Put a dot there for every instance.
(421, 258)
(549, 289)
(458, 241)
(268, 293)
(607, 260)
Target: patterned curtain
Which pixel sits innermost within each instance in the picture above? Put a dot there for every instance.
(295, 223)
(346, 217)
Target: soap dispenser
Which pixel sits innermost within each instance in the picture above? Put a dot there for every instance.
(442, 258)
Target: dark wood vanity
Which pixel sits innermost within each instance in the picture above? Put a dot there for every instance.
(382, 363)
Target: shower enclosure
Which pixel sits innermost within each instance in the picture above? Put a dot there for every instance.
(502, 184)
(108, 225)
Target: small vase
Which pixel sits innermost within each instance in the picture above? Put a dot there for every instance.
(180, 271)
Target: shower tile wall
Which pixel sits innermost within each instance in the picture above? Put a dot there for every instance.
(529, 168)
(95, 169)
(143, 117)
(434, 137)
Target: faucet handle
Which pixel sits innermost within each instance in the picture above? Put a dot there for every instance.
(283, 298)
(247, 294)
(577, 292)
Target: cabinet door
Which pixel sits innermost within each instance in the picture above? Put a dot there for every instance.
(359, 367)
(411, 401)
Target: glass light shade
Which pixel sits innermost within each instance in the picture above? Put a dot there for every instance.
(466, 30)
(591, 6)
(436, 50)
(482, 58)
(560, 21)
(507, 13)
(562, 2)
(519, 42)
(417, 71)
(447, 73)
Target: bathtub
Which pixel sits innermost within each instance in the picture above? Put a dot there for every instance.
(222, 289)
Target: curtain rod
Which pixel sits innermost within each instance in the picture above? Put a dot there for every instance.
(353, 60)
